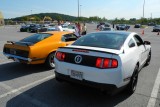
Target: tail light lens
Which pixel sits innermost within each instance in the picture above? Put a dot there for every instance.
(105, 63)
(114, 63)
(99, 62)
(60, 56)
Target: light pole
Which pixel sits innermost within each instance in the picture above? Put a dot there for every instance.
(143, 8)
(80, 10)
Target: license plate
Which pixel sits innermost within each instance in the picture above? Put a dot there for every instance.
(76, 75)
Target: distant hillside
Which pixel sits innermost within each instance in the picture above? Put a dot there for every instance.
(49, 16)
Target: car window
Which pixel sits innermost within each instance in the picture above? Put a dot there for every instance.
(102, 40)
(131, 43)
(36, 37)
(138, 40)
(69, 37)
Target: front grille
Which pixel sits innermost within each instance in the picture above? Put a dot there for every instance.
(16, 52)
(86, 60)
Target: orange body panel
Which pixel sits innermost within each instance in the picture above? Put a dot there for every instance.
(39, 51)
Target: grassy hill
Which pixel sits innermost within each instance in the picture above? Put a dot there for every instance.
(49, 16)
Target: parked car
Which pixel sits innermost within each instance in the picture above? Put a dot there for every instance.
(137, 26)
(70, 28)
(24, 28)
(122, 27)
(107, 29)
(156, 28)
(152, 24)
(103, 24)
(52, 29)
(38, 48)
(105, 60)
(37, 28)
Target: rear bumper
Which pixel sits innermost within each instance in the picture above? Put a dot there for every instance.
(10, 56)
(108, 87)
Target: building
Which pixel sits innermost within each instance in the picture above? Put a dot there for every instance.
(1, 19)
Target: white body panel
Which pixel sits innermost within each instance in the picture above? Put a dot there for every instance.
(127, 60)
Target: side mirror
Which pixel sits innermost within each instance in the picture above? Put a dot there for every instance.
(147, 43)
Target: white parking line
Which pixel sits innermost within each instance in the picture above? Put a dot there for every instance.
(154, 94)
(5, 62)
(28, 98)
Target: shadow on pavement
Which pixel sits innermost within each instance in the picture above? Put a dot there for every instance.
(54, 94)
(13, 70)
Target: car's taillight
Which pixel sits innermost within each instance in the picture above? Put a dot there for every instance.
(106, 63)
(114, 63)
(99, 62)
(60, 56)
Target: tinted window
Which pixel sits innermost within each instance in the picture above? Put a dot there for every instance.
(131, 43)
(102, 40)
(36, 37)
(138, 40)
(69, 37)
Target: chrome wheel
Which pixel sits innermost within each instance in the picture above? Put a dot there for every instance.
(50, 61)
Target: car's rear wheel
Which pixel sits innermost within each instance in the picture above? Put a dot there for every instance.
(148, 59)
(50, 61)
(133, 82)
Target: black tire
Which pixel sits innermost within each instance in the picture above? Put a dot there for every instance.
(50, 61)
(133, 82)
(148, 59)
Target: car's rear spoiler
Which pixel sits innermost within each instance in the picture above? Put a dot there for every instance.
(21, 43)
(84, 50)
(13, 42)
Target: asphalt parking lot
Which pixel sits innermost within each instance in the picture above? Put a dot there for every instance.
(35, 86)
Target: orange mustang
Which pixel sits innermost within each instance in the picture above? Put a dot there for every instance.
(38, 48)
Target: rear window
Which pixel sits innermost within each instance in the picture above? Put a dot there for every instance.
(36, 37)
(102, 40)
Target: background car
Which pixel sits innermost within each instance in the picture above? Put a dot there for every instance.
(156, 28)
(137, 26)
(38, 48)
(37, 28)
(107, 29)
(105, 60)
(104, 24)
(24, 28)
(69, 28)
(122, 27)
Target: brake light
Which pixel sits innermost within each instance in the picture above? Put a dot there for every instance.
(114, 63)
(60, 56)
(99, 62)
(106, 63)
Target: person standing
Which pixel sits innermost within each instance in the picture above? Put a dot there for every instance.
(77, 30)
(59, 27)
(84, 29)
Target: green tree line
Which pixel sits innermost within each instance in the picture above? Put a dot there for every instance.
(63, 17)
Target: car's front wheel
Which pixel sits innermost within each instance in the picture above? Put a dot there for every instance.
(50, 61)
(133, 82)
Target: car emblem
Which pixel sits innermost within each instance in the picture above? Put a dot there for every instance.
(78, 59)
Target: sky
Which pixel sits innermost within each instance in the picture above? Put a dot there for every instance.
(109, 9)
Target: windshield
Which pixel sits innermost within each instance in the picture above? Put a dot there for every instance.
(102, 40)
(36, 37)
